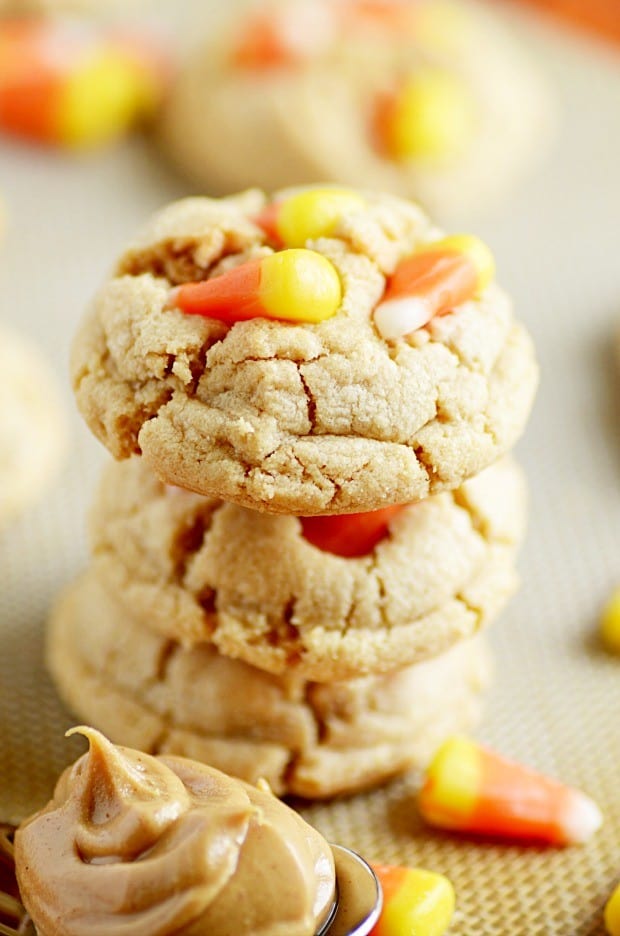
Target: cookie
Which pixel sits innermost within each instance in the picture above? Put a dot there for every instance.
(302, 419)
(32, 427)
(432, 101)
(309, 739)
(255, 586)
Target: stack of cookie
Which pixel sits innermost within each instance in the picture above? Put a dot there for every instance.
(308, 522)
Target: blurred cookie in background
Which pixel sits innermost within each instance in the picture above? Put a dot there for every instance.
(429, 99)
(32, 427)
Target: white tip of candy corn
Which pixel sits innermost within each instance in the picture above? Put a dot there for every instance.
(171, 302)
(397, 317)
(582, 818)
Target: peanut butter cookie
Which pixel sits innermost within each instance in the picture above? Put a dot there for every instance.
(309, 739)
(299, 417)
(260, 588)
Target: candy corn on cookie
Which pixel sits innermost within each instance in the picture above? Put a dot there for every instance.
(320, 352)
(331, 598)
(310, 739)
(32, 428)
(429, 99)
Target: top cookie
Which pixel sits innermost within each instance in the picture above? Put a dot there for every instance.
(297, 417)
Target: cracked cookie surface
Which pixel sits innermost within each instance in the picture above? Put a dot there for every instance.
(202, 570)
(296, 418)
(308, 739)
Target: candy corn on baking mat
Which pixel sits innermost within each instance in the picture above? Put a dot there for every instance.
(556, 699)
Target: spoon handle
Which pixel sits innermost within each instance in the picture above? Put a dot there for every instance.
(14, 920)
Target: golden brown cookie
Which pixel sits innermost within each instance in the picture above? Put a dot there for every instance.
(294, 93)
(32, 426)
(303, 419)
(314, 740)
(198, 569)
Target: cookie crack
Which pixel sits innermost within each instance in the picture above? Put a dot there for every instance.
(310, 400)
(478, 522)
(160, 740)
(189, 540)
(425, 462)
(473, 609)
(187, 259)
(375, 571)
(166, 655)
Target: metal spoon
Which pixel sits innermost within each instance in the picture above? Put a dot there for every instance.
(359, 898)
(14, 921)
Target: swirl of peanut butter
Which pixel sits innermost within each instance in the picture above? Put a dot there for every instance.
(133, 845)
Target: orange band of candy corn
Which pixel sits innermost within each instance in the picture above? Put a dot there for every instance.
(470, 788)
(431, 282)
(30, 81)
(261, 45)
(445, 277)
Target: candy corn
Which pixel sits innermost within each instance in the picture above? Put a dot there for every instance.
(293, 286)
(599, 16)
(435, 279)
(430, 117)
(612, 913)
(610, 623)
(61, 84)
(471, 789)
(349, 535)
(309, 214)
(415, 902)
(284, 37)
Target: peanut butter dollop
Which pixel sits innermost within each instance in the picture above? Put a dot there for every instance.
(133, 845)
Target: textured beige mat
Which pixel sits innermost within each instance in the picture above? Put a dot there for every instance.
(556, 702)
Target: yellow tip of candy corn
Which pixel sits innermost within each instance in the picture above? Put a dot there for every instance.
(432, 118)
(99, 101)
(299, 285)
(612, 913)
(314, 213)
(452, 783)
(415, 901)
(477, 251)
(610, 623)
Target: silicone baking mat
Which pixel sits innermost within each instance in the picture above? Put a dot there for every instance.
(556, 701)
